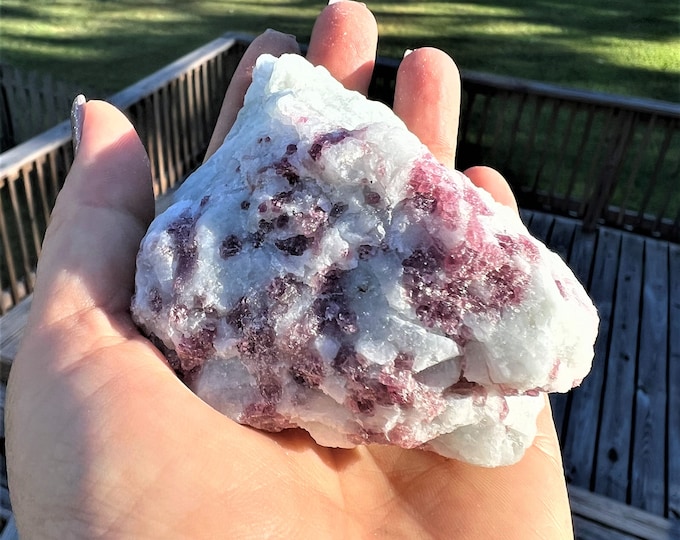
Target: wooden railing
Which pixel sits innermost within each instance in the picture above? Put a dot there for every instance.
(604, 159)
(600, 158)
(174, 111)
(30, 102)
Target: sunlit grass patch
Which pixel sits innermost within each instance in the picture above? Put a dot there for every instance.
(619, 46)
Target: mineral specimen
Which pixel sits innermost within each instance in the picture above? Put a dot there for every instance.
(322, 270)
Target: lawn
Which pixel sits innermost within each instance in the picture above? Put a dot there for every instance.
(620, 46)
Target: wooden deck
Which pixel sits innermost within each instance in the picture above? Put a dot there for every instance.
(620, 430)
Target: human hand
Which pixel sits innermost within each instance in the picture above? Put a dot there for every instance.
(104, 441)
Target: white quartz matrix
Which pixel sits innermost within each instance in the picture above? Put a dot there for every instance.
(323, 270)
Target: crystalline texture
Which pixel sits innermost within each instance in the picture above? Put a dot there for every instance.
(322, 270)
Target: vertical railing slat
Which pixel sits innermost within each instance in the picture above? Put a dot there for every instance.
(543, 150)
(8, 251)
(627, 187)
(158, 142)
(484, 118)
(36, 236)
(147, 115)
(464, 136)
(656, 226)
(177, 134)
(205, 99)
(184, 119)
(531, 139)
(515, 129)
(566, 138)
(501, 111)
(192, 128)
(53, 176)
(166, 106)
(576, 165)
(663, 151)
(40, 166)
(617, 141)
(18, 224)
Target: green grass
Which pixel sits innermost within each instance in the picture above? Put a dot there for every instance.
(619, 46)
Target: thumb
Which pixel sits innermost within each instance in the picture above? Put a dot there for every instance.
(106, 204)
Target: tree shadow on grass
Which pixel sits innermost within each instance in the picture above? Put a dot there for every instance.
(554, 47)
(650, 20)
(548, 49)
(549, 63)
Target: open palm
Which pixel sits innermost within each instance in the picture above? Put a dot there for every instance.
(103, 441)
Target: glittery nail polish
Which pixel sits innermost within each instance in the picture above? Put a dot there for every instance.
(77, 118)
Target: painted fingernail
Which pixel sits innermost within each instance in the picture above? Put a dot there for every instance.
(407, 52)
(77, 118)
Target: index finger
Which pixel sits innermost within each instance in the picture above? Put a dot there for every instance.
(271, 42)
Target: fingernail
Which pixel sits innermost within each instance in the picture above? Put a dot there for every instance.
(331, 2)
(407, 52)
(77, 118)
(272, 31)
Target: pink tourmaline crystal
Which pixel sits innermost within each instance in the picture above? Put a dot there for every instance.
(322, 270)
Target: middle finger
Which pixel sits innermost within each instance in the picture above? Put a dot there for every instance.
(345, 40)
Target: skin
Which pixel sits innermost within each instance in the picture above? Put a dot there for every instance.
(103, 441)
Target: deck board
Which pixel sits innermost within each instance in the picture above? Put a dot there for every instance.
(588, 530)
(598, 517)
(11, 329)
(673, 420)
(580, 439)
(648, 483)
(540, 226)
(613, 448)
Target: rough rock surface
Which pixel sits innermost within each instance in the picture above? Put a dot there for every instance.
(322, 270)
